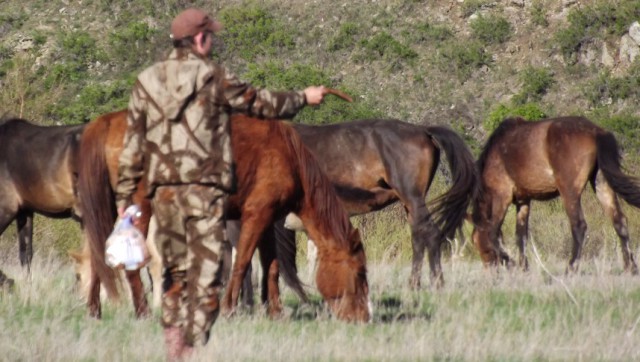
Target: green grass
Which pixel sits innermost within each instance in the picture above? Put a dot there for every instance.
(478, 315)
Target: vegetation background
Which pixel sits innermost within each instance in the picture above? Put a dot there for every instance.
(467, 64)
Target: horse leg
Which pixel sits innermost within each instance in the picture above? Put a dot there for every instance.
(253, 226)
(233, 234)
(137, 293)
(609, 201)
(571, 201)
(424, 233)
(24, 220)
(6, 217)
(270, 294)
(522, 231)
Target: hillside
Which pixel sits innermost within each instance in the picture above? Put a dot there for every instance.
(452, 62)
(467, 63)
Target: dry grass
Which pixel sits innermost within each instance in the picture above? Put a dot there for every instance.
(478, 315)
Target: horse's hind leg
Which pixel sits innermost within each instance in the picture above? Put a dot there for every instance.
(270, 294)
(24, 219)
(571, 201)
(424, 233)
(609, 201)
(522, 231)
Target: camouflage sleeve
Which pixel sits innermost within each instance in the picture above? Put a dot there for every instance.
(243, 97)
(130, 166)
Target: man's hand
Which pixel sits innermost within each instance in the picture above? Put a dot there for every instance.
(315, 94)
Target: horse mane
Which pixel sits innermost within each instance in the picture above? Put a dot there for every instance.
(318, 189)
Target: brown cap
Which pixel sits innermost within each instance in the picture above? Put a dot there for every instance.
(192, 21)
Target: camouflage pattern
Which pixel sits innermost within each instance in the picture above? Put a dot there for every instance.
(178, 123)
(178, 142)
(191, 238)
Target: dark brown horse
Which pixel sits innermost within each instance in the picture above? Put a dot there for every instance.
(524, 161)
(275, 175)
(37, 167)
(375, 163)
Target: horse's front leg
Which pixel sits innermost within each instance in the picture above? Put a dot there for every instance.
(522, 232)
(253, 226)
(137, 293)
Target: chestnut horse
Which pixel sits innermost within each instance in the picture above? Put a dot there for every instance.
(524, 161)
(375, 163)
(37, 167)
(275, 175)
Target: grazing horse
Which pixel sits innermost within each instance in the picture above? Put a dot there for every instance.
(524, 161)
(375, 163)
(37, 167)
(275, 175)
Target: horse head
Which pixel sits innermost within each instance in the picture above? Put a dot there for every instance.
(342, 280)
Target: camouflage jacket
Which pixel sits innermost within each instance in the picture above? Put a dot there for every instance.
(178, 123)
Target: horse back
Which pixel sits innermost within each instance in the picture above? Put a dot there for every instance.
(39, 162)
(371, 159)
(530, 158)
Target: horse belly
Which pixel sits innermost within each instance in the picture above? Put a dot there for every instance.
(54, 197)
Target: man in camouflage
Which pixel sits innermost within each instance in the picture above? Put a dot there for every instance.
(178, 142)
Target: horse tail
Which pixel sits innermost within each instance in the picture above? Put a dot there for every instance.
(608, 158)
(97, 201)
(450, 208)
(286, 255)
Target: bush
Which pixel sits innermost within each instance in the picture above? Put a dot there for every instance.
(469, 7)
(427, 32)
(345, 38)
(275, 76)
(464, 57)
(529, 111)
(626, 128)
(251, 31)
(386, 47)
(606, 88)
(492, 29)
(538, 14)
(535, 83)
(593, 22)
(135, 38)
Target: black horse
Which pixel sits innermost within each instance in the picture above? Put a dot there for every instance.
(37, 168)
(375, 163)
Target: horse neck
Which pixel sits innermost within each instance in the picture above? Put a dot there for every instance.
(321, 211)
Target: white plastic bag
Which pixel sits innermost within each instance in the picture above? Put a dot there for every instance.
(126, 247)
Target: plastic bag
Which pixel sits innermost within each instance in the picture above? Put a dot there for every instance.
(126, 246)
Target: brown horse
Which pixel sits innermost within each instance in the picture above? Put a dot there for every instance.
(524, 161)
(275, 175)
(37, 168)
(375, 163)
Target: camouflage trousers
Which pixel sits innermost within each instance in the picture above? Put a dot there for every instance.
(191, 238)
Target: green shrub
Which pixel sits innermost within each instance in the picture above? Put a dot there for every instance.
(469, 7)
(386, 47)
(92, 101)
(464, 57)
(346, 37)
(608, 88)
(128, 43)
(275, 76)
(529, 111)
(538, 14)
(80, 47)
(251, 31)
(626, 128)
(535, 83)
(595, 22)
(427, 32)
(491, 29)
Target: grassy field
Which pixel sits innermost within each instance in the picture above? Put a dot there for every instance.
(479, 315)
